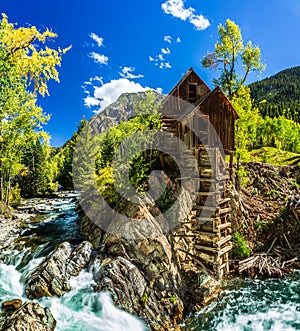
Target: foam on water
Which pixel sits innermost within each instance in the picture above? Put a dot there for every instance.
(10, 284)
(81, 309)
(252, 306)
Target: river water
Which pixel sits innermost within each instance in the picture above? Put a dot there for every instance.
(81, 309)
(242, 305)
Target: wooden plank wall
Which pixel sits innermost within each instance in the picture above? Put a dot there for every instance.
(221, 118)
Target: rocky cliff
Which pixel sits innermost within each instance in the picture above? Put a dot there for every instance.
(120, 111)
(30, 316)
(138, 265)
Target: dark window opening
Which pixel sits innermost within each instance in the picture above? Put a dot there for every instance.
(192, 93)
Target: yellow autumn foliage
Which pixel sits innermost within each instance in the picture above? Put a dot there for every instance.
(25, 51)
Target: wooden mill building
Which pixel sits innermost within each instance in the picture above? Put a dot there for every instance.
(204, 120)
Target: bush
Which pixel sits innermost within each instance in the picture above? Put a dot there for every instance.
(15, 195)
(240, 247)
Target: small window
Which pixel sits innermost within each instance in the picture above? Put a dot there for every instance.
(192, 93)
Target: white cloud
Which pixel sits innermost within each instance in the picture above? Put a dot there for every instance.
(160, 60)
(178, 40)
(127, 72)
(176, 9)
(165, 65)
(200, 22)
(97, 39)
(97, 79)
(88, 86)
(168, 39)
(99, 58)
(108, 93)
(165, 51)
(90, 101)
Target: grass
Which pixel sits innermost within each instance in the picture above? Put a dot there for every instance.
(272, 155)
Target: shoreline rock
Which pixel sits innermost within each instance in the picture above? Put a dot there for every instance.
(11, 227)
(141, 270)
(30, 316)
(52, 276)
(11, 305)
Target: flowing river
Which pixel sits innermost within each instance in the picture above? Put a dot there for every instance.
(242, 305)
(81, 309)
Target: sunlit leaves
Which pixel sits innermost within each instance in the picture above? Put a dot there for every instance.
(230, 51)
(246, 125)
(26, 66)
(23, 49)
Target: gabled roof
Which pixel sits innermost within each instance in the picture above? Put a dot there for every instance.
(218, 90)
(191, 70)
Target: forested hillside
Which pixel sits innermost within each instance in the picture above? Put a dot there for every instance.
(279, 94)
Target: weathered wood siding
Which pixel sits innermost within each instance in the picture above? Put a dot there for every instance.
(178, 101)
(182, 89)
(221, 117)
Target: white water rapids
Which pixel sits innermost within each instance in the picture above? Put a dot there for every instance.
(81, 309)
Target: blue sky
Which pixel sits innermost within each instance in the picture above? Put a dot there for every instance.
(130, 45)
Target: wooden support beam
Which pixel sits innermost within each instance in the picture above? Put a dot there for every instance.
(225, 250)
(197, 258)
(206, 234)
(224, 211)
(222, 201)
(224, 240)
(207, 249)
(223, 226)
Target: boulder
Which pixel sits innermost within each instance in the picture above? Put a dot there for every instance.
(132, 292)
(51, 276)
(30, 316)
(140, 272)
(11, 305)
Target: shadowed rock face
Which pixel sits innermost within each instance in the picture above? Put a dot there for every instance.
(120, 111)
(12, 305)
(139, 271)
(52, 276)
(30, 316)
(136, 261)
(131, 291)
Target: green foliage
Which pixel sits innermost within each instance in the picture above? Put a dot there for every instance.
(272, 155)
(230, 52)
(246, 125)
(279, 95)
(139, 166)
(38, 178)
(145, 298)
(261, 226)
(280, 133)
(166, 200)
(15, 195)
(294, 184)
(26, 66)
(255, 132)
(240, 247)
(92, 157)
(242, 176)
(84, 167)
(173, 300)
(64, 158)
(105, 183)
